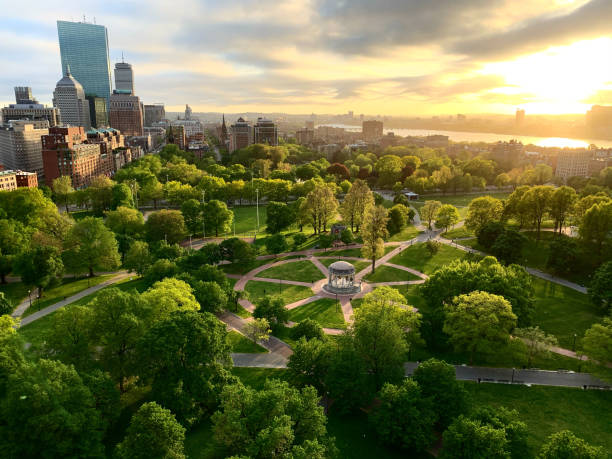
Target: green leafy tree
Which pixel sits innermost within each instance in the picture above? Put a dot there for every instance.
(69, 337)
(273, 310)
(438, 383)
(43, 394)
(537, 340)
(12, 242)
(121, 196)
(398, 216)
(168, 225)
(466, 438)
(39, 267)
(280, 216)
(277, 243)
(92, 246)
(308, 329)
(429, 211)
(326, 241)
(564, 255)
(320, 206)
(100, 192)
(299, 239)
(562, 204)
(565, 445)
(244, 425)
(600, 289)
(160, 270)
(536, 203)
(373, 232)
(404, 417)
(508, 421)
(596, 227)
(138, 258)
(355, 203)
(236, 250)
(479, 322)
(125, 220)
(597, 341)
(508, 247)
(433, 247)
(62, 187)
(310, 362)
(482, 210)
(5, 305)
(448, 216)
(186, 360)
(489, 232)
(167, 296)
(153, 433)
(192, 214)
(211, 295)
(257, 330)
(217, 216)
(11, 351)
(347, 236)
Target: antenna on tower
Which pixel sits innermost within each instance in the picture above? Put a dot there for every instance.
(122, 60)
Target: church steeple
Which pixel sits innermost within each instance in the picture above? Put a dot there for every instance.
(223, 131)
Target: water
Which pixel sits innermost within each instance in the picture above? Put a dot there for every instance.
(462, 136)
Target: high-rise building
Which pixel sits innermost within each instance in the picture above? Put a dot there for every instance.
(23, 95)
(310, 125)
(154, 114)
(241, 135)
(31, 112)
(8, 180)
(98, 111)
(124, 77)
(69, 97)
(266, 132)
(572, 163)
(84, 50)
(519, 118)
(125, 113)
(188, 112)
(304, 136)
(371, 130)
(20, 145)
(176, 135)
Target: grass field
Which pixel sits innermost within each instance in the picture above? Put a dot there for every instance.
(409, 232)
(69, 287)
(359, 265)
(301, 271)
(246, 219)
(325, 311)
(349, 252)
(242, 344)
(238, 268)
(417, 257)
(289, 293)
(388, 274)
(458, 232)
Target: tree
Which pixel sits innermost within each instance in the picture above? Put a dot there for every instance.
(597, 341)
(308, 329)
(273, 310)
(309, 363)
(489, 232)
(508, 247)
(326, 240)
(121, 196)
(138, 258)
(398, 216)
(438, 383)
(563, 255)
(277, 243)
(153, 433)
(217, 216)
(47, 410)
(339, 170)
(356, 201)
(165, 297)
(404, 417)
(538, 341)
(5, 305)
(433, 247)
(91, 246)
(125, 220)
(373, 231)
(101, 193)
(565, 445)
(299, 239)
(160, 270)
(562, 204)
(152, 191)
(536, 203)
(346, 236)
(186, 360)
(479, 322)
(62, 187)
(278, 421)
(257, 330)
(280, 216)
(39, 267)
(211, 295)
(389, 168)
(429, 211)
(596, 226)
(384, 329)
(12, 242)
(447, 217)
(467, 438)
(168, 225)
(508, 421)
(320, 206)
(600, 289)
(236, 250)
(69, 337)
(192, 214)
(482, 210)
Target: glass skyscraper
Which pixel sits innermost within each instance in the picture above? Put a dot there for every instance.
(84, 47)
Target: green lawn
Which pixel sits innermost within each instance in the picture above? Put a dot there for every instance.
(388, 274)
(246, 219)
(417, 257)
(562, 311)
(241, 344)
(410, 292)
(409, 232)
(289, 293)
(15, 292)
(458, 232)
(547, 410)
(256, 377)
(349, 252)
(302, 271)
(359, 265)
(325, 311)
(238, 268)
(68, 288)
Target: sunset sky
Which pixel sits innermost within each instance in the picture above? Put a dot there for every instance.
(395, 57)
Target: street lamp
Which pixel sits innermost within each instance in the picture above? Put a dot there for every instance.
(574, 345)
(280, 286)
(30, 296)
(513, 376)
(203, 218)
(257, 207)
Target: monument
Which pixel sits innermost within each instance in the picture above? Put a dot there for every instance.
(341, 279)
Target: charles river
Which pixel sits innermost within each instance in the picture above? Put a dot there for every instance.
(461, 136)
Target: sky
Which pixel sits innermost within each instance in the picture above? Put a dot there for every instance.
(392, 57)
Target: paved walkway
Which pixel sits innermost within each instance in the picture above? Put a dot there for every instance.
(71, 299)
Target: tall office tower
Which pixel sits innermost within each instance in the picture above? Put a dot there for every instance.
(98, 111)
(69, 97)
(519, 118)
(124, 77)
(23, 95)
(371, 130)
(32, 112)
(241, 135)
(20, 146)
(265, 131)
(125, 113)
(84, 48)
(188, 112)
(154, 114)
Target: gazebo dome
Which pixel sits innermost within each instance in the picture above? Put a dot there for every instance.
(341, 279)
(342, 267)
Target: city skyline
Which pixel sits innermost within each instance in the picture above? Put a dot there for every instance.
(463, 56)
